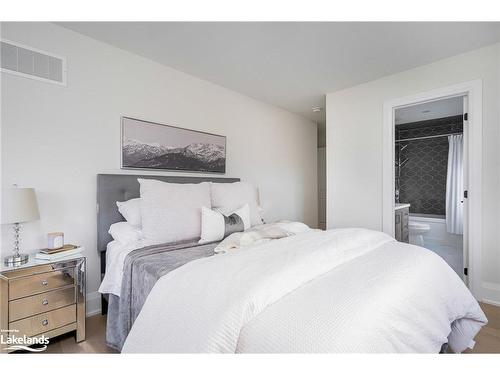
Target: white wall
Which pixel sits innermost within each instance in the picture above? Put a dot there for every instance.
(57, 139)
(354, 153)
(322, 187)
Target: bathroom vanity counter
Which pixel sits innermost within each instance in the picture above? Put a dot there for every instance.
(400, 206)
(401, 219)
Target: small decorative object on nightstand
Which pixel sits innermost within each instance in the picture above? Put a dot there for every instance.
(55, 240)
(19, 205)
(42, 298)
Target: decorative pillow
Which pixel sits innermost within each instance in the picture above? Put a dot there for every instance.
(125, 233)
(234, 195)
(131, 211)
(216, 225)
(172, 212)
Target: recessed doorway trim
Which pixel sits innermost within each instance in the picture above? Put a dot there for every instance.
(473, 90)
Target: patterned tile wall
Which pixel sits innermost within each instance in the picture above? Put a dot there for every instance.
(423, 176)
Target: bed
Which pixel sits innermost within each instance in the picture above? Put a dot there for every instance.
(135, 257)
(342, 290)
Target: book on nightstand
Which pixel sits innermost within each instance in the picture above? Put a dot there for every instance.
(53, 254)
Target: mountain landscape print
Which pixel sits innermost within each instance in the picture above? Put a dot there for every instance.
(148, 145)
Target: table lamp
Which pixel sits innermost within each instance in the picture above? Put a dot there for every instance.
(19, 205)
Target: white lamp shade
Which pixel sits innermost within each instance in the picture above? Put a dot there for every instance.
(19, 205)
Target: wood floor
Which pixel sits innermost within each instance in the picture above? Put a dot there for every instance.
(488, 338)
(487, 341)
(95, 342)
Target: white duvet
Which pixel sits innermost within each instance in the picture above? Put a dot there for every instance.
(344, 290)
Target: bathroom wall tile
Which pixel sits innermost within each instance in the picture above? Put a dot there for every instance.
(423, 177)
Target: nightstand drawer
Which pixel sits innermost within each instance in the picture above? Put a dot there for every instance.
(39, 303)
(45, 322)
(29, 285)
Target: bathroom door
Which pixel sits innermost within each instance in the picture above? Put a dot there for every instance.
(465, 210)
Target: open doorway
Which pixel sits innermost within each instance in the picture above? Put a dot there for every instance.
(472, 150)
(430, 177)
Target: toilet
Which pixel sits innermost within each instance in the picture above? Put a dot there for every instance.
(417, 230)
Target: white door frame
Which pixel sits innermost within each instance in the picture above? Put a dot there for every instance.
(473, 90)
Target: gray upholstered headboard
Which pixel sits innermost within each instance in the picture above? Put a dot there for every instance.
(121, 187)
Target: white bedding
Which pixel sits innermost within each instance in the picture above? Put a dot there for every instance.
(345, 290)
(116, 253)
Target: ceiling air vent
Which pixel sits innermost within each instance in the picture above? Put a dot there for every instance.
(32, 63)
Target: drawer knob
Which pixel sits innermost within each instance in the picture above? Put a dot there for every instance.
(45, 322)
(45, 283)
(45, 302)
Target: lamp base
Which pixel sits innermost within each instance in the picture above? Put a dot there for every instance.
(16, 260)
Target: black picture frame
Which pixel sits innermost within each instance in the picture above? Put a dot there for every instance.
(147, 145)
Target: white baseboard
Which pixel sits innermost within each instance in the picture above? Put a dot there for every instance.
(491, 293)
(487, 301)
(93, 303)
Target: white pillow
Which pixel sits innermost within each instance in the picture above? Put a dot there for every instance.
(131, 211)
(234, 195)
(172, 212)
(125, 233)
(216, 225)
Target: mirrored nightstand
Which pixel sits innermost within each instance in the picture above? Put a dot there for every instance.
(43, 298)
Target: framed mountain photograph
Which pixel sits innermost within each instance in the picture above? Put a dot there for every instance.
(148, 145)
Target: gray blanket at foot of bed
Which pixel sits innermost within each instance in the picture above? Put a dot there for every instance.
(142, 268)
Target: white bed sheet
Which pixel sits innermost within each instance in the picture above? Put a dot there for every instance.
(116, 253)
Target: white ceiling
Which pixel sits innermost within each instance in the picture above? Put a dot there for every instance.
(431, 110)
(291, 64)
